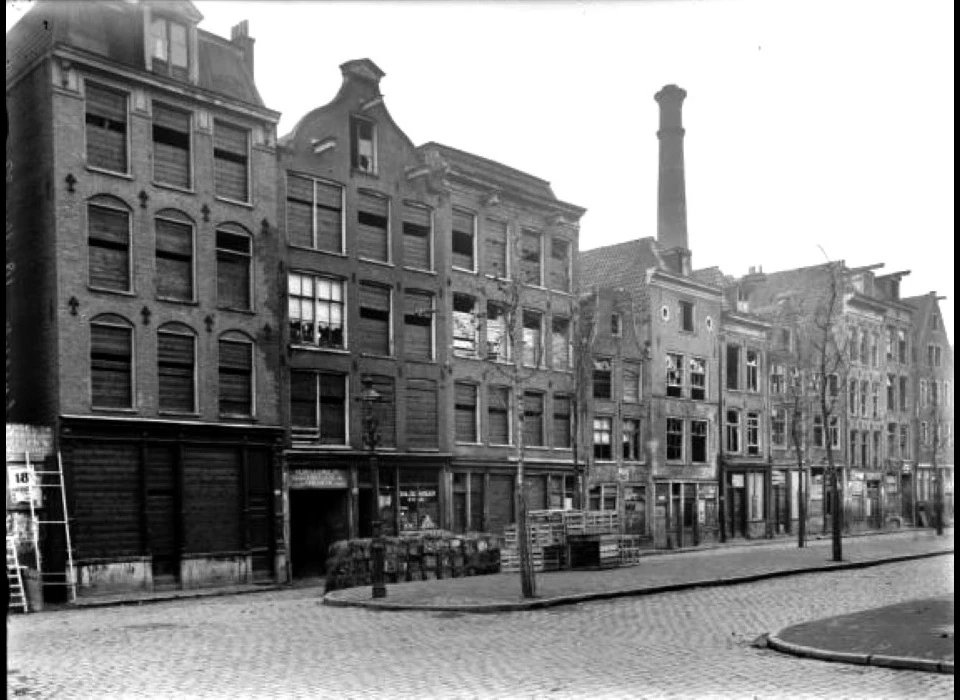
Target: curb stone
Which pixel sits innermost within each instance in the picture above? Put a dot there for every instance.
(897, 662)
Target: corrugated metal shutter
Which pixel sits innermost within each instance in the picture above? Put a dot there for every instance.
(533, 419)
(299, 211)
(416, 237)
(236, 377)
(418, 325)
(495, 260)
(386, 409)
(498, 412)
(421, 413)
(176, 371)
(111, 364)
(501, 503)
(107, 502)
(211, 500)
(230, 153)
(465, 400)
(374, 319)
(106, 132)
(372, 222)
(171, 146)
(174, 260)
(329, 213)
(109, 238)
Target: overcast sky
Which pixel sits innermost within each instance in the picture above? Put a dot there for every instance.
(809, 123)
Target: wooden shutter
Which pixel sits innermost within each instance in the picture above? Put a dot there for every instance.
(109, 240)
(495, 245)
(561, 421)
(500, 501)
(171, 146)
(372, 222)
(107, 499)
(416, 237)
(106, 130)
(465, 409)
(421, 415)
(498, 412)
(160, 467)
(375, 319)
(329, 214)
(233, 270)
(299, 211)
(174, 260)
(385, 409)
(418, 325)
(175, 369)
(211, 506)
(333, 408)
(236, 377)
(463, 231)
(533, 419)
(111, 353)
(230, 152)
(303, 399)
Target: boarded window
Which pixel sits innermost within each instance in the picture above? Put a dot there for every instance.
(562, 434)
(530, 268)
(106, 128)
(106, 513)
(233, 269)
(533, 419)
(464, 230)
(560, 342)
(111, 365)
(318, 407)
(465, 400)
(532, 334)
(498, 415)
(176, 360)
(316, 310)
(495, 248)
(171, 146)
(109, 241)
(174, 259)
(374, 319)
(464, 325)
(631, 382)
(373, 220)
(559, 275)
(230, 161)
(417, 239)
(236, 377)
(385, 409)
(314, 214)
(418, 325)
(498, 344)
(422, 429)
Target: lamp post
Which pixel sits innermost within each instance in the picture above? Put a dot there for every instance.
(371, 437)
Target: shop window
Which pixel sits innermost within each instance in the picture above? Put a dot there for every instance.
(603, 438)
(463, 240)
(316, 309)
(418, 320)
(419, 501)
(235, 370)
(602, 378)
(374, 330)
(560, 493)
(318, 407)
(562, 425)
(674, 439)
(778, 427)
(422, 426)
(733, 431)
(363, 145)
(233, 267)
(169, 48)
(631, 382)
(733, 367)
(417, 237)
(753, 434)
(373, 226)
(698, 441)
(106, 128)
(111, 362)
(174, 239)
(674, 375)
(560, 354)
(559, 273)
(468, 503)
(176, 368)
(632, 445)
(530, 258)
(108, 240)
(171, 146)
(498, 344)
(532, 338)
(698, 378)
(533, 419)
(314, 213)
(686, 316)
(465, 412)
(753, 370)
(498, 415)
(231, 159)
(464, 325)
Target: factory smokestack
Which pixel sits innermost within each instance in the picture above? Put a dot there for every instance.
(671, 190)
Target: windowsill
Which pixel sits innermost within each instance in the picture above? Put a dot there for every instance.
(119, 292)
(317, 348)
(376, 356)
(421, 270)
(541, 448)
(368, 173)
(179, 414)
(459, 356)
(315, 443)
(237, 416)
(423, 449)
(182, 302)
(494, 444)
(421, 360)
(174, 188)
(339, 254)
(227, 200)
(381, 263)
(464, 270)
(497, 279)
(103, 409)
(458, 443)
(245, 312)
(113, 173)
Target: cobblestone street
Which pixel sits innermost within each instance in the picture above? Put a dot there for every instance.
(284, 644)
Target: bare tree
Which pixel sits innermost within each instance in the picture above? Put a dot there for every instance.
(935, 435)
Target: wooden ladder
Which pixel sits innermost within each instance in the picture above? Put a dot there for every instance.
(55, 481)
(14, 579)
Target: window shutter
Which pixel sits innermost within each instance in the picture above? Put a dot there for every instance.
(171, 146)
(106, 102)
(465, 401)
(174, 260)
(333, 409)
(176, 370)
(303, 400)
(299, 211)
(106, 130)
(418, 325)
(375, 319)
(111, 352)
(230, 160)
(233, 270)
(385, 409)
(463, 223)
(416, 237)
(109, 236)
(533, 419)
(421, 413)
(495, 260)
(499, 415)
(372, 222)
(236, 375)
(329, 213)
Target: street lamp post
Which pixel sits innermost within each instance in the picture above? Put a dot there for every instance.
(371, 437)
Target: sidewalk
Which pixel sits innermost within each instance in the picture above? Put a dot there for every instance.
(917, 635)
(654, 574)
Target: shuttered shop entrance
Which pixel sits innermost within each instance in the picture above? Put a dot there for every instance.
(161, 508)
(259, 512)
(500, 502)
(211, 500)
(106, 498)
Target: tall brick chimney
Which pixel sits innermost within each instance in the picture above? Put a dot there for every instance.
(240, 36)
(671, 190)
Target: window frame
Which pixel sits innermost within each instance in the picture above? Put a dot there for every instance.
(189, 187)
(686, 316)
(567, 261)
(602, 376)
(368, 196)
(167, 67)
(732, 436)
(474, 438)
(752, 375)
(316, 301)
(179, 220)
(220, 251)
(408, 293)
(462, 321)
(753, 441)
(507, 414)
(501, 343)
(603, 429)
(315, 434)
(109, 204)
(183, 331)
(316, 184)
(541, 441)
(406, 206)
(247, 162)
(536, 348)
(455, 233)
(697, 436)
(356, 122)
(674, 377)
(127, 145)
(526, 261)
(628, 368)
(674, 439)
(564, 420)
(388, 322)
(698, 387)
(116, 322)
(236, 338)
(732, 378)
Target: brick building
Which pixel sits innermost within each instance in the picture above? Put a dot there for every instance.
(145, 303)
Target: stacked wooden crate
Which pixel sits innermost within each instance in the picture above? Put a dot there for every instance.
(594, 541)
(510, 552)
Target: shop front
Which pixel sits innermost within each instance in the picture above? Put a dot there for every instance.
(685, 514)
(411, 496)
(319, 508)
(745, 501)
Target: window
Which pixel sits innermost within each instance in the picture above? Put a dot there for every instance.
(532, 346)
(233, 267)
(464, 237)
(602, 438)
(422, 429)
(876, 399)
(901, 347)
(418, 315)
(560, 354)
(562, 425)
(495, 244)
(818, 431)
(106, 128)
(498, 344)
(603, 497)
(417, 237)
(934, 321)
(375, 331)
(853, 448)
(753, 370)
(875, 351)
(632, 451)
(386, 409)
(783, 339)
(314, 214)
(891, 333)
(853, 345)
(169, 52)
(686, 316)
(464, 325)
(498, 415)
(733, 366)
(316, 308)
(698, 378)
(231, 155)
(833, 385)
(933, 392)
(876, 448)
(891, 440)
(674, 439)
(733, 431)
(891, 394)
(755, 489)
(698, 441)
(778, 427)
(797, 436)
(174, 234)
(373, 226)
(631, 382)
(108, 238)
(777, 379)
(903, 393)
(465, 412)
(235, 375)
(753, 434)
(318, 406)
(171, 146)
(176, 367)
(616, 325)
(602, 378)
(674, 375)
(533, 419)
(559, 272)
(363, 145)
(530, 272)
(924, 433)
(905, 441)
(864, 353)
(852, 396)
(111, 362)
(935, 356)
(834, 432)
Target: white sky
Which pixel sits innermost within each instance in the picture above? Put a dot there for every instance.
(809, 122)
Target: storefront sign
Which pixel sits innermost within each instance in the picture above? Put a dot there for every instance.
(872, 476)
(778, 478)
(708, 491)
(905, 469)
(736, 481)
(318, 479)
(22, 487)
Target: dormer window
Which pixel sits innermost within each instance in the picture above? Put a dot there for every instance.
(169, 52)
(363, 146)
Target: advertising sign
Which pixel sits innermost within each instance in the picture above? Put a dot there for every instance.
(22, 487)
(318, 479)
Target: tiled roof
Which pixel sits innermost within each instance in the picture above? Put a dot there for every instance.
(620, 266)
(713, 276)
(223, 70)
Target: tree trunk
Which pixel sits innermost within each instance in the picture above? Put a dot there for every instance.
(802, 508)
(528, 579)
(837, 516)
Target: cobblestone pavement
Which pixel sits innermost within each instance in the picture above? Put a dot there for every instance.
(286, 644)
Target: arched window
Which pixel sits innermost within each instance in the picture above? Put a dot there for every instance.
(234, 255)
(235, 370)
(176, 368)
(175, 255)
(111, 362)
(108, 243)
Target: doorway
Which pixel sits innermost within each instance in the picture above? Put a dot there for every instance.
(737, 511)
(318, 518)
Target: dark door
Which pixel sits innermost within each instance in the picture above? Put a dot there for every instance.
(738, 502)
(318, 518)
(259, 521)
(161, 507)
(780, 508)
